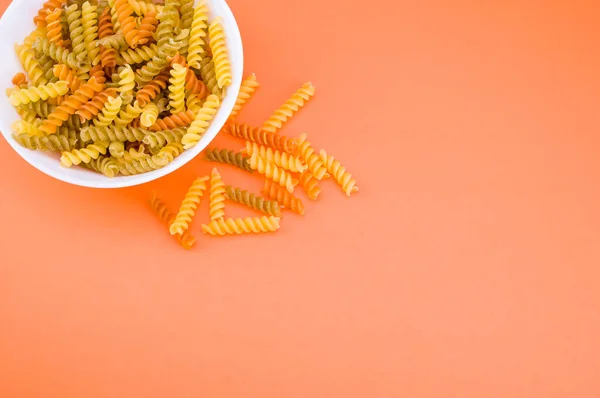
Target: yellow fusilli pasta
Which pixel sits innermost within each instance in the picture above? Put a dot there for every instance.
(85, 155)
(188, 207)
(280, 159)
(201, 123)
(218, 47)
(38, 93)
(89, 20)
(289, 108)
(273, 172)
(149, 114)
(314, 162)
(31, 65)
(339, 173)
(109, 113)
(198, 35)
(239, 226)
(177, 89)
(217, 196)
(249, 86)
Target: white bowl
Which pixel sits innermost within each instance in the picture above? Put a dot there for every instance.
(17, 23)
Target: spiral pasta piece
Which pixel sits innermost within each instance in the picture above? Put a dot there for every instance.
(39, 93)
(113, 133)
(129, 166)
(151, 90)
(262, 137)
(218, 47)
(138, 55)
(239, 226)
(108, 56)
(158, 63)
(273, 172)
(225, 156)
(31, 65)
(19, 79)
(111, 110)
(23, 127)
(280, 159)
(249, 86)
(57, 53)
(70, 105)
(209, 77)
(54, 29)
(160, 139)
(104, 165)
(126, 81)
(143, 7)
(190, 203)
(252, 201)
(50, 143)
(193, 103)
(217, 196)
(339, 173)
(186, 240)
(147, 27)
(283, 197)
(91, 109)
(149, 115)
(198, 35)
(201, 122)
(41, 108)
(310, 184)
(289, 108)
(89, 20)
(85, 155)
(76, 32)
(169, 21)
(192, 83)
(48, 6)
(177, 89)
(128, 114)
(180, 120)
(124, 12)
(47, 65)
(314, 162)
(116, 149)
(64, 73)
(116, 42)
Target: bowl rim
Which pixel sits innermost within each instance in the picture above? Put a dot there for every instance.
(233, 38)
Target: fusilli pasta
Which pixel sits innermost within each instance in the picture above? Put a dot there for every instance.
(252, 201)
(217, 196)
(283, 197)
(289, 108)
(201, 122)
(188, 207)
(228, 157)
(220, 53)
(239, 226)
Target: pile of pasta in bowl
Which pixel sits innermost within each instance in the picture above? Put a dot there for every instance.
(121, 87)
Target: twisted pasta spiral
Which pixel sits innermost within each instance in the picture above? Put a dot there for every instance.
(116, 41)
(169, 20)
(76, 32)
(252, 201)
(128, 166)
(207, 71)
(138, 55)
(187, 13)
(113, 133)
(186, 240)
(239, 226)
(39, 93)
(229, 157)
(180, 120)
(98, 72)
(105, 165)
(85, 155)
(47, 65)
(64, 73)
(261, 137)
(217, 196)
(310, 184)
(127, 114)
(108, 56)
(151, 89)
(177, 89)
(54, 31)
(289, 108)
(280, 159)
(40, 18)
(112, 107)
(89, 19)
(218, 47)
(126, 81)
(95, 105)
(50, 143)
(40, 108)
(193, 103)
(339, 173)
(124, 12)
(149, 114)
(116, 149)
(170, 152)
(201, 122)
(187, 211)
(57, 53)
(249, 86)
(19, 79)
(23, 127)
(143, 7)
(314, 162)
(273, 172)
(192, 83)
(31, 65)
(147, 27)
(160, 139)
(70, 105)
(157, 63)
(283, 197)
(198, 35)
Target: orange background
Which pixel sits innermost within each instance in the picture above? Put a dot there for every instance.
(467, 266)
